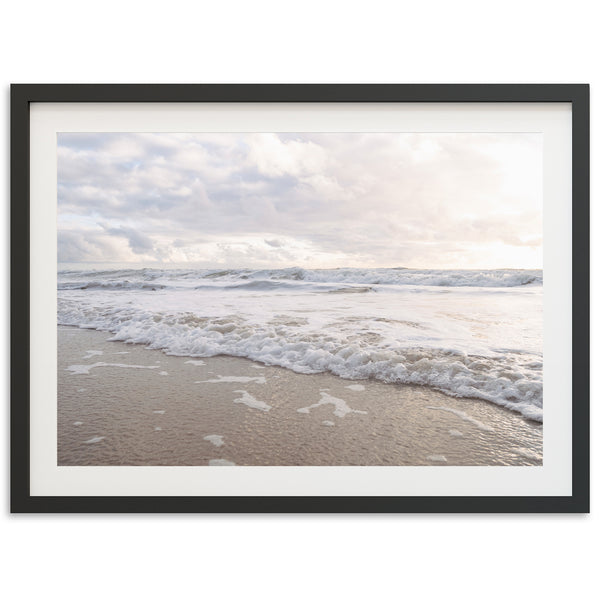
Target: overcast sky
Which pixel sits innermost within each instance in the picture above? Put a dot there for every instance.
(302, 199)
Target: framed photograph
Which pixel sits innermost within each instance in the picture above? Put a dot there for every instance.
(358, 298)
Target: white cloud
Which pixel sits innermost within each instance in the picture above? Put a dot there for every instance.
(275, 157)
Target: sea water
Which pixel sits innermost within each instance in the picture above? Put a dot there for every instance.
(467, 333)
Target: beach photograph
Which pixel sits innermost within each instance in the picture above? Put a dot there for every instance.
(300, 299)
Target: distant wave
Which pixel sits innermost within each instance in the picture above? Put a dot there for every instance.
(110, 285)
(259, 285)
(256, 279)
(352, 290)
(263, 285)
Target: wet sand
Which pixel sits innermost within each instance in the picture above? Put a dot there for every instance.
(123, 404)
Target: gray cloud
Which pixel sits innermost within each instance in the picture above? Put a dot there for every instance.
(138, 242)
(86, 246)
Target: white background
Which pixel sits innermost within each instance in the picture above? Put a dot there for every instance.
(133, 556)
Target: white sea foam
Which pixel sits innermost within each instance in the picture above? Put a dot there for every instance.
(437, 458)
(464, 417)
(158, 429)
(90, 353)
(527, 453)
(158, 412)
(251, 401)
(163, 373)
(474, 334)
(329, 423)
(215, 440)
(95, 439)
(356, 387)
(197, 363)
(77, 423)
(455, 433)
(220, 462)
(341, 408)
(85, 369)
(234, 379)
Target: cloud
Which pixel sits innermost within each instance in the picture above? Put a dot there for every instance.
(138, 242)
(88, 246)
(313, 199)
(274, 156)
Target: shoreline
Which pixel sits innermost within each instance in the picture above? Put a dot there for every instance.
(124, 404)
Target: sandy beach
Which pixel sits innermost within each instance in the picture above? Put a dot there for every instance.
(124, 404)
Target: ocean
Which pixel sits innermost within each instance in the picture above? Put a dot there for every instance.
(467, 333)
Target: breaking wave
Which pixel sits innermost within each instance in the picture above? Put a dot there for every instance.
(352, 349)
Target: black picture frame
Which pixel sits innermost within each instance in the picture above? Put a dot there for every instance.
(23, 95)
